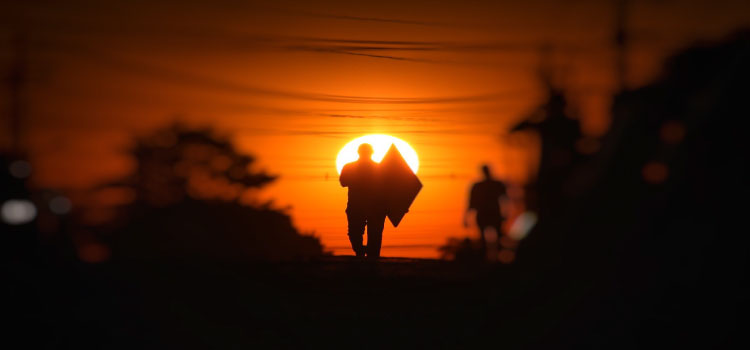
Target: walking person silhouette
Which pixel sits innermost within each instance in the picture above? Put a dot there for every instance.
(484, 199)
(366, 207)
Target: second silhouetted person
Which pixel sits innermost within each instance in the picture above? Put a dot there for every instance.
(484, 199)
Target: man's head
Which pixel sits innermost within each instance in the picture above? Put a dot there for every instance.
(365, 151)
(486, 171)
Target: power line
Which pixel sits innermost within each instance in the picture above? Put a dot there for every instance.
(175, 76)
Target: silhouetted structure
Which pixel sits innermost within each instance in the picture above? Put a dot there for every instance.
(186, 187)
(484, 200)
(560, 135)
(366, 206)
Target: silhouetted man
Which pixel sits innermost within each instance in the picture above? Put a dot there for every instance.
(484, 199)
(365, 206)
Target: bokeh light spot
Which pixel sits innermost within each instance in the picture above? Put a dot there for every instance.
(18, 211)
(655, 172)
(522, 225)
(20, 169)
(672, 132)
(508, 242)
(60, 205)
(506, 256)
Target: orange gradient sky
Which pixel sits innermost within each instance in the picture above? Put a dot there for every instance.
(293, 82)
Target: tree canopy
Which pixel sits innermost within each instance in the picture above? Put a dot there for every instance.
(187, 184)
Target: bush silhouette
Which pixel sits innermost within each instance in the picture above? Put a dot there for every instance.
(186, 185)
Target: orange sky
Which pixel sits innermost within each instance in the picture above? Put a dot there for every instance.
(293, 82)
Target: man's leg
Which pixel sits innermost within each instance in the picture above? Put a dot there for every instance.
(375, 224)
(482, 239)
(356, 231)
(493, 249)
(484, 225)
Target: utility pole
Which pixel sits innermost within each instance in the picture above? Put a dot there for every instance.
(16, 84)
(621, 43)
(546, 68)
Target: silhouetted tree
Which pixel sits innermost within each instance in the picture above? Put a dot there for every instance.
(656, 227)
(187, 183)
(176, 162)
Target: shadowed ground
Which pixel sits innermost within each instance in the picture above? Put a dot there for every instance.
(335, 301)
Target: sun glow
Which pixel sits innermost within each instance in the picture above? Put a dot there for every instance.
(380, 144)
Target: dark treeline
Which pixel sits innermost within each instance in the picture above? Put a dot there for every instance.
(649, 229)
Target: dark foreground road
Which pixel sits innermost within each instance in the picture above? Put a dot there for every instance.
(332, 302)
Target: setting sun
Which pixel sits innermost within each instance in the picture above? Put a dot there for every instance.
(380, 144)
